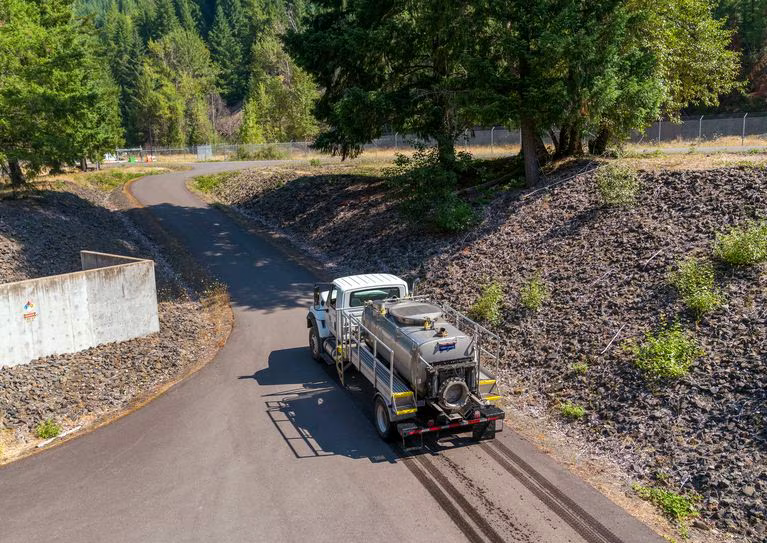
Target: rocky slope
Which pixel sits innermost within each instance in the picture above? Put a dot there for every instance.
(42, 235)
(606, 272)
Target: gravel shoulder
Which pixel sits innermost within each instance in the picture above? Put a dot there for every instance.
(606, 274)
(41, 235)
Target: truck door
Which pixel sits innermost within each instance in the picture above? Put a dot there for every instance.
(332, 315)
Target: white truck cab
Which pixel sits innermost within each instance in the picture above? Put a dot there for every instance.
(350, 294)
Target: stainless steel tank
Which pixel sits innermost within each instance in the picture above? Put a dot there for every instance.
(417, 332)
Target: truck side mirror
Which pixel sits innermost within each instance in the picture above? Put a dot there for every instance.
(316, 296)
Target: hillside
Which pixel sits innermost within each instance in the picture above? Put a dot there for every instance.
(606, 273)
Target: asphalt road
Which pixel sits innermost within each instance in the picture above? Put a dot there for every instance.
(264, 445)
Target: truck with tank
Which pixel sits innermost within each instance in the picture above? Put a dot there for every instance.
(428, 364)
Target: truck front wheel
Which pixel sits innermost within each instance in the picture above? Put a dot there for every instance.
(383, 423)
(315, 343)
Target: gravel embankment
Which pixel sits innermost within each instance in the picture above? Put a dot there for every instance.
(606, 271)
(42, 235)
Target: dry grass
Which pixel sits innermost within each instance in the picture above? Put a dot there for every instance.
(697, 161)
(724, 141)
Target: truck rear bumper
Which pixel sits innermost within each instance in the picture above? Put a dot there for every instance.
(484, 427)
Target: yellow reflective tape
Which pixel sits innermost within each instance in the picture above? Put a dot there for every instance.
(406, 411)
(402, 394)
(491, 398)
(487, 381)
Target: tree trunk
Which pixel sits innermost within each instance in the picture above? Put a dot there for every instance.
(84, 164)
(529, 152)
(446, 151)
(15, 172)
(598, 145)
(561, 149)
(555, 141)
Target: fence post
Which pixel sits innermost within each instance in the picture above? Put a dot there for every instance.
(395, 142)
(660, 123)
(700, 129)
(743, 134)
(491, 141)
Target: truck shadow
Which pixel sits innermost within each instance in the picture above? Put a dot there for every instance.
(318, 417)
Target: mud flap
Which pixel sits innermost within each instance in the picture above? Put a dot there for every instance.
(410, 442)
(484, 431)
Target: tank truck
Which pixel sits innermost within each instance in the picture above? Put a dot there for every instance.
(428, 364)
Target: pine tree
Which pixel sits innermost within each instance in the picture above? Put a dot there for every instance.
(227, 54)
(165, 20)
(185, 16)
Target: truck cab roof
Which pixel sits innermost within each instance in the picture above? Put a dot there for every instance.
(368, 280)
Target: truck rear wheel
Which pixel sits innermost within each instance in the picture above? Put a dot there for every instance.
(315, 343)
(382, 422)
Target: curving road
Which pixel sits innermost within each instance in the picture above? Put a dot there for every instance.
(264, 445)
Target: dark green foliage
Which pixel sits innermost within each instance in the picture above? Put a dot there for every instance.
(427, 189)
(226, 51)
(403, 64)
(58, 104)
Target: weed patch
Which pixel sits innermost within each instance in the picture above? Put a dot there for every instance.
(533, 294)
(571, 411)
(743, 246)
(579, 368)
(47, 429)
(209, 183)
(666, 354)
(617, 184)
(678, 507)
(488, 307)
(695, 282)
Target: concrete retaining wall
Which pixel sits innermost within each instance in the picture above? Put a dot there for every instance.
(113, 299)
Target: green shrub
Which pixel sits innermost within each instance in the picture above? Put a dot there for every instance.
(427, 188)
(453, 215)
(488, 307)
(743, 246)
(266, 152)
(667, 354)
(209, 183)
(533, 294)
(617, 184)
(677, 507)
(315, 162)
(47, 429)
(694, 280)
(580, 368)
(571, 411)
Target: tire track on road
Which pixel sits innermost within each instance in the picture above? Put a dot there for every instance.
(563, 506)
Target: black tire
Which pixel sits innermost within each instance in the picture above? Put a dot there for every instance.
(381, 420)
(315, 343)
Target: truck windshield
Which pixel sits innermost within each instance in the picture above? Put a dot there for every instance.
(360, 297)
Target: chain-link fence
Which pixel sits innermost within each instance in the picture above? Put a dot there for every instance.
(723, 130)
